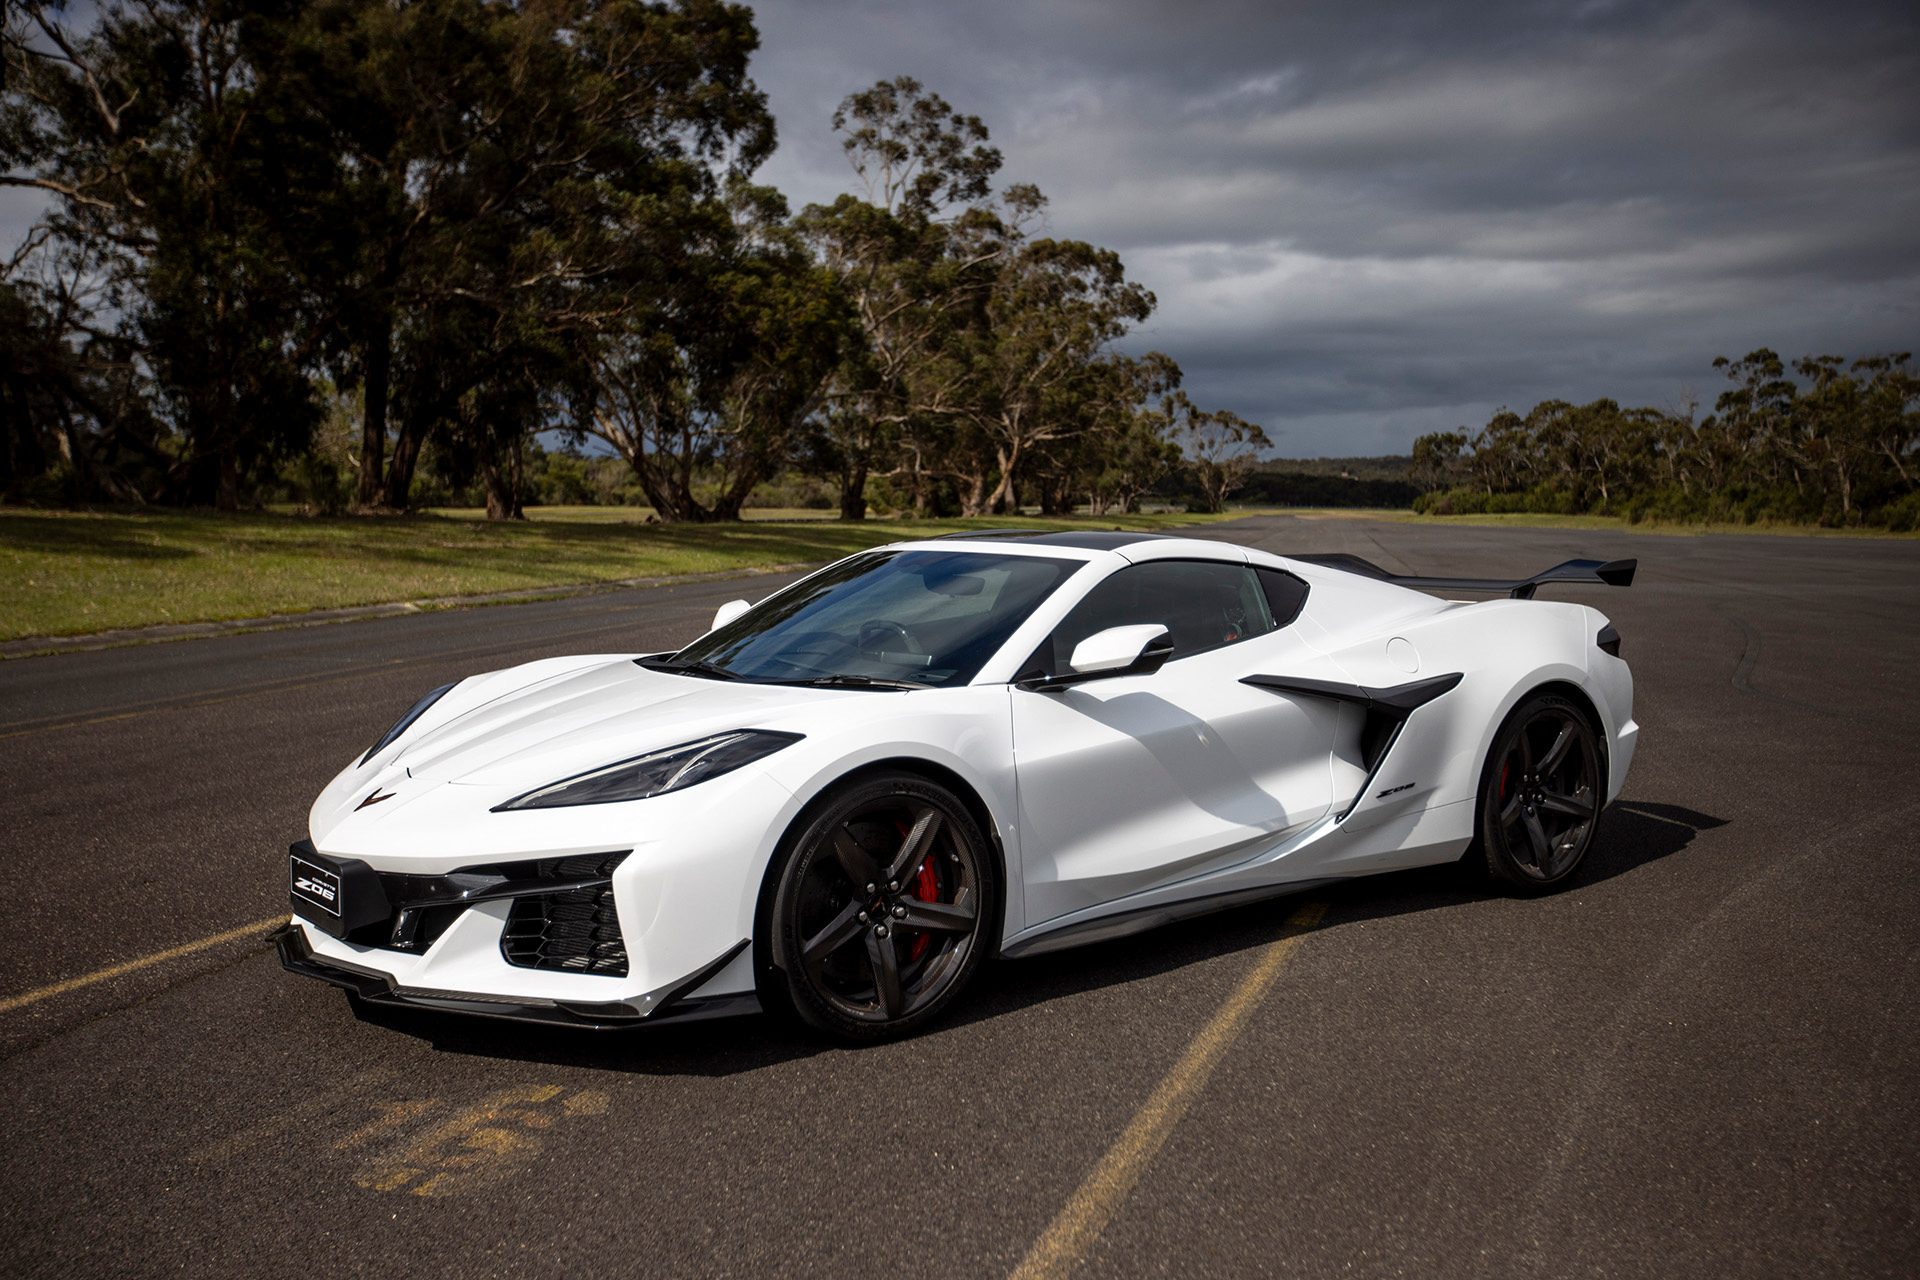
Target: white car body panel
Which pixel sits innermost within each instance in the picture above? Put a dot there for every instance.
(1109, 800)
(1137, 781)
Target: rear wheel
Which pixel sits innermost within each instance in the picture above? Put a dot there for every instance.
(882, 908)
(1540, 796)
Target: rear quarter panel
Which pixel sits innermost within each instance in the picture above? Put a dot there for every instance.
(1503, 650)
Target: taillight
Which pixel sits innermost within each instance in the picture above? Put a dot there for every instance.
(1608, 640)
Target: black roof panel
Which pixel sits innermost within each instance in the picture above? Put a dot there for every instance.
(1088, 540)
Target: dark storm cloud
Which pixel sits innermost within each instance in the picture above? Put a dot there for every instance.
(1364, 221)
(1369, 220)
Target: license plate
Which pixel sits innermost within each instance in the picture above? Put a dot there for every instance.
(313, 885)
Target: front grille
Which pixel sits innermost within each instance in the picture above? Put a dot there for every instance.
(577, 931)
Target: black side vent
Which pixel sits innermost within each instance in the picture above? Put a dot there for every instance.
(575, 931)
(1376, 735)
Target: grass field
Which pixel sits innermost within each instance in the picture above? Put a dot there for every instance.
(71, 573)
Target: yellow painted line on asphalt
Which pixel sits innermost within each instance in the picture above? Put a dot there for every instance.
(10, 1003)
(1077, 1227)
(307, 1111)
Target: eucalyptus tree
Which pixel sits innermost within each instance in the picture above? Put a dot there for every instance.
(576, 157)
(1820, 439)
(1117, 415)
(910, 257)
(1437, 460)
(1861, 430)
(1890, 416)
(442, 201)
(705, 394)
(1052, 308)
(1755, 416)
(1221, 447)
(164, 152)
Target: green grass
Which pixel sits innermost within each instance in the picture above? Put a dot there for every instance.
(71, 573)
(626, 515)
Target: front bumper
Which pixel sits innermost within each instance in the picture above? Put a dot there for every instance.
(684, 897)
(670, 1003)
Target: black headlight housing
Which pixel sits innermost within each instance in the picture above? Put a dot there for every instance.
(656, 772)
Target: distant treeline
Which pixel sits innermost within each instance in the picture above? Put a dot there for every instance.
(358, 254)
(1302, 484)
(1827, 441)
(567, 477)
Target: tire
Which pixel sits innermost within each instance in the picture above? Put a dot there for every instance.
(1541, 793)
(885, 903)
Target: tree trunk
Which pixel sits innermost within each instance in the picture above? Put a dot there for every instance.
(656, 493)
(853, 491)
(502, 479)
(1005, 498)
(227, 483)
(733, 498)
(975, 502)
(395, 493)
(1214, 483)
(373, 415)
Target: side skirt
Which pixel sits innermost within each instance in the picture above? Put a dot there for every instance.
(1140, 919)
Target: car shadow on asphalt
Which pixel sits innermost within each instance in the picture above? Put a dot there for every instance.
(1634, 834)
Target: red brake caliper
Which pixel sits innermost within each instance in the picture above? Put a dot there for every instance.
(926, 887)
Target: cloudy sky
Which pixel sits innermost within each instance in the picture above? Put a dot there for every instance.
(1369, 220)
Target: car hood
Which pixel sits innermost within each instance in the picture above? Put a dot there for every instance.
(586, 718)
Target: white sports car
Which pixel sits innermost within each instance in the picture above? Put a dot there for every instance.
(843, 799)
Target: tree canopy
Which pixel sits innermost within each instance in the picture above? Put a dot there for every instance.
(1823, 441)
(367, 253)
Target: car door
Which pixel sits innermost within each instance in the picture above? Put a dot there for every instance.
(1134, 782)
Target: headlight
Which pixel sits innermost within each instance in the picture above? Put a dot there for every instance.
(657, 772)
(405, 722)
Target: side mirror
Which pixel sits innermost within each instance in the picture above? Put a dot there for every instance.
(1121, 651)
(728, 612)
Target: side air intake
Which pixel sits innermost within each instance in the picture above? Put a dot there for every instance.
(1386, 710)
(575, 930)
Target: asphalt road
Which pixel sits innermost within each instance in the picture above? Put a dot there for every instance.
(1704, 1059)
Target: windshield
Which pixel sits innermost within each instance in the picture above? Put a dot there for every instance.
(919, 618)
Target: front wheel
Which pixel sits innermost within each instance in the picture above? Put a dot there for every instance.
(1541, 794)
(882, 908)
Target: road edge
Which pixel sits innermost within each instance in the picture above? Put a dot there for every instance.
(164, 632)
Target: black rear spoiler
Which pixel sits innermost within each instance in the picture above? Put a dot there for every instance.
(1614, 573)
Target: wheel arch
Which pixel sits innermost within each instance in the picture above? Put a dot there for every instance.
(1582, 701)
(932, 771)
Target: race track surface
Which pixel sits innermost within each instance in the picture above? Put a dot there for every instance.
(1703, 1060)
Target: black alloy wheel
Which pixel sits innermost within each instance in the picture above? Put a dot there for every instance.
(1541, 793)
(883, 908)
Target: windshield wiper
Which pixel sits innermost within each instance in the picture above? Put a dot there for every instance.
(706, 669)
(853, 682)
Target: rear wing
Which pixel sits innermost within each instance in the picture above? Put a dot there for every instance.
(1613, 573)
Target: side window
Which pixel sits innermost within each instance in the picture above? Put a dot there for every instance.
(1286, 595)
(1204, 605)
